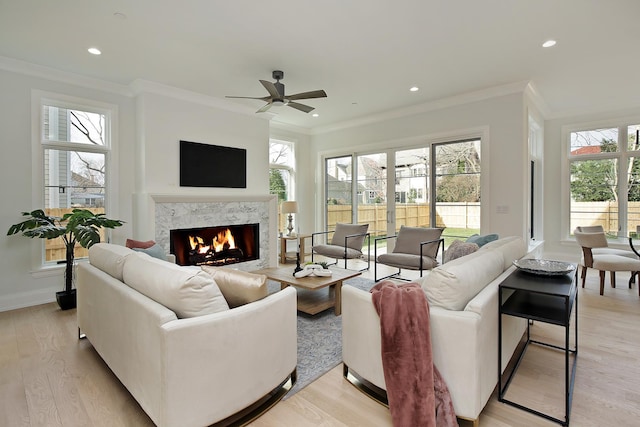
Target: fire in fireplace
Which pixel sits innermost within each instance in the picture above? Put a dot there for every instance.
(219, 245)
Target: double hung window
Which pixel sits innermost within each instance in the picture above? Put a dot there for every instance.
(75, 152)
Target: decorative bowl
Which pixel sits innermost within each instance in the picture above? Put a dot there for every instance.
(544, 267)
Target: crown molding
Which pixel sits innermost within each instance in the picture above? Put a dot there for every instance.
(141, 86)
(48, 73)
(534, 95)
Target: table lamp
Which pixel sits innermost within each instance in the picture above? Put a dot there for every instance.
(290, 207)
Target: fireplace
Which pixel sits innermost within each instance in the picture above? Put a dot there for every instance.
(218, 246)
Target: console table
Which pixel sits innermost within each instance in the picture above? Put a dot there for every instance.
(548, 299)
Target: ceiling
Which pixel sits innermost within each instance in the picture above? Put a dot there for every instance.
(365, 54)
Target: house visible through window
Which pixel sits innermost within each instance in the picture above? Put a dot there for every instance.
(75, 151)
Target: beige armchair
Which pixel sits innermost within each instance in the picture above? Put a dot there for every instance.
(346, 243)
(416, 248)
(603, 261)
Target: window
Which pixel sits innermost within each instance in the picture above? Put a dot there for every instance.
(75, 150)
(281, 174)
(281, 169)
(604, 179)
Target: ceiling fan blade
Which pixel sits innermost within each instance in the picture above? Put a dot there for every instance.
(308, 95)
(271, 88)
(264, 98)
(265, 108)
(301, 107)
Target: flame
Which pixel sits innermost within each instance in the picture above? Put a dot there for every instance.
(224, 237)
(197, 242)
(224, 240)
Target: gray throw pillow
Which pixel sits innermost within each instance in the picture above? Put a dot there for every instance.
(155, 251)
(482, 240)
(458, 249)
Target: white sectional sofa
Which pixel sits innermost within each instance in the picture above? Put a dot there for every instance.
(463, 301)
(170, 337)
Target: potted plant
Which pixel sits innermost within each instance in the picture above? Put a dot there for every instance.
(78, 226)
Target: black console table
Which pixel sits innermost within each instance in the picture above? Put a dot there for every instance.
(548, 299)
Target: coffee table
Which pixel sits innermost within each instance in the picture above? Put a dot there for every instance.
(309, 300)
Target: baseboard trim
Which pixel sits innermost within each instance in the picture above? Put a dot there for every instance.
(28, 299)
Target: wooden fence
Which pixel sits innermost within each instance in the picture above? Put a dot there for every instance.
(55, 249)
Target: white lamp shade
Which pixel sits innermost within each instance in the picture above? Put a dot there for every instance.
(289, 207)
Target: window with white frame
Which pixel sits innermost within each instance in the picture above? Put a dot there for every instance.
(75, 149)
(604, 179)
(281, 169)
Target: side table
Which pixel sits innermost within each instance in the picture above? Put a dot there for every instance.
(548, 299)
(283, 247)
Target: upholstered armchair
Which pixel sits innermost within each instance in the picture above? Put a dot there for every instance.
(602, 261)
(346, 243)
(416, 248)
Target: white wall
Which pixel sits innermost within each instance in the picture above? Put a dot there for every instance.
(149, 128)
(22, 283)
(504, 151)
(164, 121)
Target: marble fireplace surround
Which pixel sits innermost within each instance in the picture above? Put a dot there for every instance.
(186, 211)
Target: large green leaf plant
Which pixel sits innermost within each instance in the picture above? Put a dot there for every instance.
(78, 226)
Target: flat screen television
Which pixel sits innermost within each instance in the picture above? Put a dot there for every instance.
(205, 165)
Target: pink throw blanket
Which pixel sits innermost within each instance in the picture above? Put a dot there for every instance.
(418, 396)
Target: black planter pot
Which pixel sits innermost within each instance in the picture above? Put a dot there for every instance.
(66, 299)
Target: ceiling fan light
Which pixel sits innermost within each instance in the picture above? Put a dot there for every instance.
(279, 102)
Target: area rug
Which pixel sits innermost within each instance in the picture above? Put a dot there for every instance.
(319, 339)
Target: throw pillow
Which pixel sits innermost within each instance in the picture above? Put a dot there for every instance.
(238, 287)
(458, 249)
(155, 251)
(130, 243)
(482, 240)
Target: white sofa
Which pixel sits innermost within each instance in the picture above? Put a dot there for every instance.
(196, 363)
(463, 301)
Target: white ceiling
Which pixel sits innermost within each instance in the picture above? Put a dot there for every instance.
(365, 54)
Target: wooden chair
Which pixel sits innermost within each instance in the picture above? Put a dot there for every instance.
(603, 262)
(416, 249)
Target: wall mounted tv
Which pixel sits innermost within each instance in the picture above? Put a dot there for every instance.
(205, 165)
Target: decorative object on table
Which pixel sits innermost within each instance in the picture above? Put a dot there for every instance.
(78, 226)
(298, 268)
(313, 270)
(289, 207)
(544, 267)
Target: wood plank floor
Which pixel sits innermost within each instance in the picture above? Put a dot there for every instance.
(49, 378)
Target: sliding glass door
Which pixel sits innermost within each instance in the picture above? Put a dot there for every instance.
(457, 187)
(434, 185)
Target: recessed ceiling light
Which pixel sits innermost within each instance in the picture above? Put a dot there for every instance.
(549, 43)
(414, 89)
(94, 51)
(315, 114)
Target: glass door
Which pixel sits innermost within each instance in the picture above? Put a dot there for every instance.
(371, 200)
(339, 191)
(457, 188)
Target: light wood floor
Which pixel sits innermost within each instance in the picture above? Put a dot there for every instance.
(49, 378)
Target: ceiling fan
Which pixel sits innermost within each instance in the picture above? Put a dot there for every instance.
(277, 96)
